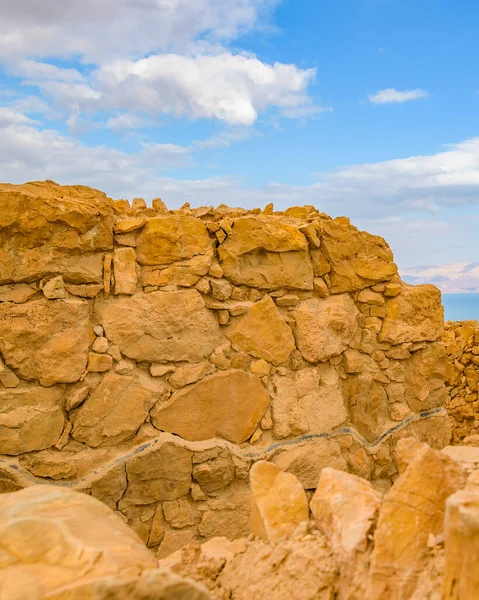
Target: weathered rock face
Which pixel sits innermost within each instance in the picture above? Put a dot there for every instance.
(60, 544)
(162, 326)
(228, 405)
(43, 228)
(263, 253)
(462, 377)
(279, 502)
(46, 340)
(324, 328)
(461, 531)
(232, 335)
(262, 332)
(412, 510)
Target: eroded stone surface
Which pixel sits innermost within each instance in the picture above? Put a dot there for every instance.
(324, 327)
(261, 252)
(45, 340)
(415, 315)
(53, 537)
(411, 511)
(226, 404)
(165, 240)
(279, 502)
(160, 326)
(31, 418)
(262, 332)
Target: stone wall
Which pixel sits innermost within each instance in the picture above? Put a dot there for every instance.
(149, 356)
(462, 377)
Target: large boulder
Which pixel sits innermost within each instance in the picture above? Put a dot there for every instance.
(161, 326)
(227, 404)
(264, 253)
(412, 510)
(53, 538)
(46, 340)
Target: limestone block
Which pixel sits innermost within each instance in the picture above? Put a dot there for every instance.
(415, 315)
(115, 409)
(461, 537)
(345, 508)
(43, 226)
(46, 340)
(99, 363)
(110, 486)
(358, 259)
(264, 253)
(55, 288)
(129, 225)
(17, 293)
(325, 327)
(165, 240)
(424, 378)
(188, 374)
(279, 502)
(179, 513)
(184, 272)
(227, 404)
(161, 326)
(214, 475)
(56, 539)
(124, 270)
(158, 474)
(31, 418)
(84, 291)
(310, 401)
(308, 460)
(368, 405)
(262, 332)
(411, 511)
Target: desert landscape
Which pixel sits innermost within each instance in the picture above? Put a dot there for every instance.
(226, 403)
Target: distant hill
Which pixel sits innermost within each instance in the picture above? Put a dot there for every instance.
(451, 278)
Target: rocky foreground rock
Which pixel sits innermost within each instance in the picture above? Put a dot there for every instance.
(418, 542)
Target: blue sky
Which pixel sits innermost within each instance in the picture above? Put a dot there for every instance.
(367, 108)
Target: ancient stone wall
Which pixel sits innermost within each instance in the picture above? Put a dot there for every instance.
(149, 356)
(462, 377)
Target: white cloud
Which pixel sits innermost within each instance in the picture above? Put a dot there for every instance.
(125, 121)
(231, 88)
(150, 58)
(98, 30)
(393, 96)
(453, 278)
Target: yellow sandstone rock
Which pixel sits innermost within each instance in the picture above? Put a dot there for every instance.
(262, 332)
(227, 404)
(279, 502)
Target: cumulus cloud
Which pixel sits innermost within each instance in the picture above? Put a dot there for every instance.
(101, 30)
(393, 96)
(158, 57)
(453, 278)
(231, 88)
